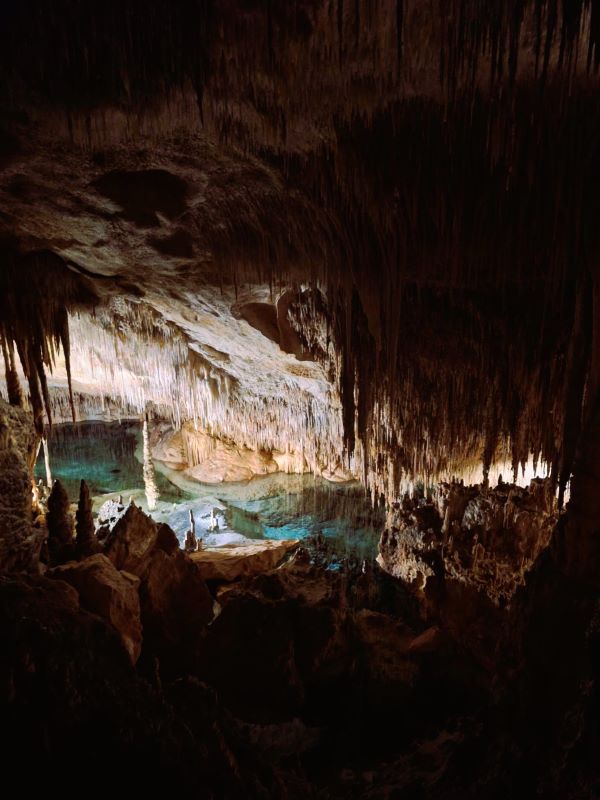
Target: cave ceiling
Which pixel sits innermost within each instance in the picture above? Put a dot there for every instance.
(362, 227)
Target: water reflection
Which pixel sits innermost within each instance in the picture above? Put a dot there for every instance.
(335, 521)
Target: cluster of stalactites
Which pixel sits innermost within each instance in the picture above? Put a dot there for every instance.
(36, 355)
(37, 351)
(334, 60)
(256, 72)
(139, 364)
(36, 289)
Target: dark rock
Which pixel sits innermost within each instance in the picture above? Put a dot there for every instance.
(19, 543)
(61, 545)
(249, 657)
(143, 193)
(166, 539)
(176, 607)
(86, 543)
(131, 540)
(111, 594)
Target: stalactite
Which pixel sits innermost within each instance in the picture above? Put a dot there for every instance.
(13, 385)
(454, 207)
(35, 291)
(64, 340)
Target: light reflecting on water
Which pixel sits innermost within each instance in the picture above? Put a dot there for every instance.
(335, 520)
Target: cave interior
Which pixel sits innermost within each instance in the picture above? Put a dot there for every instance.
(300, 398)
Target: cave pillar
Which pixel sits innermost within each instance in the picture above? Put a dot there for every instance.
(46, 447)
(150, 486)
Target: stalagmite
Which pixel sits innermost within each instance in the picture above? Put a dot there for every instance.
(85, 539)
(213, 525)
(191, 542)
(150, 487)
(60, 525)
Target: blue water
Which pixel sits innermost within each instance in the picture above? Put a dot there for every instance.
(104, 455)
(336, 521)
(340, 516)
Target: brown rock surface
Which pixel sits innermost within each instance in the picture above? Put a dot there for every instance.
(111, 594)
(484, 538)
(176, 607)
(131, 539)
(19, 543)
(235, 561)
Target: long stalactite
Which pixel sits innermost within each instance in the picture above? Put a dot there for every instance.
(443, 157)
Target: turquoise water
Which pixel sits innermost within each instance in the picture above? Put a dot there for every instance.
(337, 518)
(335, 521)
(104, 455)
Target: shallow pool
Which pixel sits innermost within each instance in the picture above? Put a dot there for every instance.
(336, 521)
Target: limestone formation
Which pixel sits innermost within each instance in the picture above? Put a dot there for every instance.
(110, 593)
(85, 540)
(108, 513)
(19, 542)
(191, 542)
(488, 538)
(176, 608)
(13, 385)
(356, 238)
(61, 545)
(46, 449)
(131, 539)
(150, 486)
(232, 562)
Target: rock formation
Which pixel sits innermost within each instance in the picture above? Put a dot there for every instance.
(191, 542)
(61, 544)
(358, 239)
(19, 542)
(131, 539)
(111, 594)
(489, 538)
(149, 475)
(85, 540)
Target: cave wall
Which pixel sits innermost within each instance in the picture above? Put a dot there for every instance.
(19, 541)
(430, 168)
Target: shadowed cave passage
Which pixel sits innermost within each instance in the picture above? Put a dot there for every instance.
(299, 320)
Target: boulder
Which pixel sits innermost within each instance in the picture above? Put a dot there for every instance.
(230, 562)
(110, 594)
(131, 540)
(108, 514)
(176, 606)
(166, 539)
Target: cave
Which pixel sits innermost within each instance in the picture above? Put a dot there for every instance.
(300, 398)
